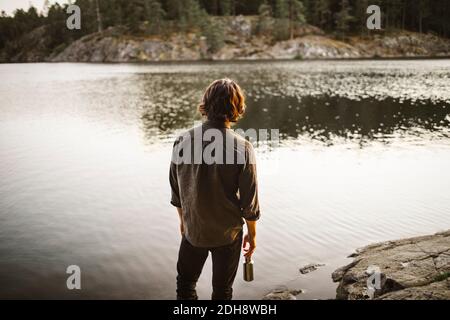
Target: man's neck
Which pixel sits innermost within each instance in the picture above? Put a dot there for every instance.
(224, 124)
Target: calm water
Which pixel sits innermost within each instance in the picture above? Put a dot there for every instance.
(85, 149)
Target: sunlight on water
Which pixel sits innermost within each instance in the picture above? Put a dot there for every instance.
(85, 149)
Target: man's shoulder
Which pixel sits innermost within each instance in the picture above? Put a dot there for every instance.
(199, 131)
(180, 136)
(244, 142)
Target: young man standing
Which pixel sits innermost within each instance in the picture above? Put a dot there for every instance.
(214, 189)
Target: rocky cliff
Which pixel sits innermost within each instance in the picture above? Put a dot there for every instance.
(409, 269)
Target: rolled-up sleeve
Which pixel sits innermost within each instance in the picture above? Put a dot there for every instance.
(248, 187)
(175, 197)
(173, 179)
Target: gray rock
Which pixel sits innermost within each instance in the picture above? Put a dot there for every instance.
(434, 291)
(282, 293)
(310, 268)
(241, 26)
(339, 273)
(415, 268)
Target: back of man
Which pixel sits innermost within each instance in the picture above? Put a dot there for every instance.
(214, 187)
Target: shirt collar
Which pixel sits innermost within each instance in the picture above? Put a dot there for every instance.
(216, 124)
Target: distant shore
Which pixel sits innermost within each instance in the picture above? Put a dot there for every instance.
(308, 43)
(418, 58)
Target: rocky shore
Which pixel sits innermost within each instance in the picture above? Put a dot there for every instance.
(241, 42)
(190, 47)
(409, 269)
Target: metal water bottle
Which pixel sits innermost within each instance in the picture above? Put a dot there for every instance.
(248, 270)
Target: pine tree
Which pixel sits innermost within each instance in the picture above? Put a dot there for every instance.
(322, 13)
(282, 22)
(225, 7)
(192, 15)
(317, 12)
(213, 31)
(296, 15)
(393, 10)
(155, 15)
(289, 14)
(423, 12)
(214, 7)
(135, 14)
(56, 19)
(281, 9)
(343, 18)
(99, 17)
(89, 17)
(174, 8)
(264, 18)
(361, 15)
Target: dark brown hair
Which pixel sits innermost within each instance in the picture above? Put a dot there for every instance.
(223, 101)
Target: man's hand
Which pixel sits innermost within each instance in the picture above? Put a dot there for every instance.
(249, 245)
(182, 228)
(180, 214)
(250, 239)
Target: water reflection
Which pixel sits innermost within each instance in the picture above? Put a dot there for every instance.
(325, 102)
(324, 118)
(169, 104)
(327, 119)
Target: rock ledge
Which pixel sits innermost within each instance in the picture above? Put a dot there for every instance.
(408, 269)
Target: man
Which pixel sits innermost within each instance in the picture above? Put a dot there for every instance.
(214, 189)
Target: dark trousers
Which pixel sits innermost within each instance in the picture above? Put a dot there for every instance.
(190, 264)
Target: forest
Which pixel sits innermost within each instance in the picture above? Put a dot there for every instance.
(336, 17)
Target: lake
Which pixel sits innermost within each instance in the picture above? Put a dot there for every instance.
(363, 157)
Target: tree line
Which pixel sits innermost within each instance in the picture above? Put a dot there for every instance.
(277, 17)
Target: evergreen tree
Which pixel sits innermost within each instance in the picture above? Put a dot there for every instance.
(282, 22)
(281, 9)
(99, 17)
(289, 14)
(135, 14)
(192, 15)
(56, 28)
(225, 7)
(155, 15)
(264, 18)
(173, 8)
(392, 11)
(361, 15)
(89, 17)
(213, 31)
(343, 18)
(423, 12)
(296, 15)
(322, 14)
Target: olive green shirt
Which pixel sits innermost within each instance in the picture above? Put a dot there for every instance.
(215, 197)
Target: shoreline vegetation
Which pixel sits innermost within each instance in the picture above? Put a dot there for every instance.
(196, 30)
